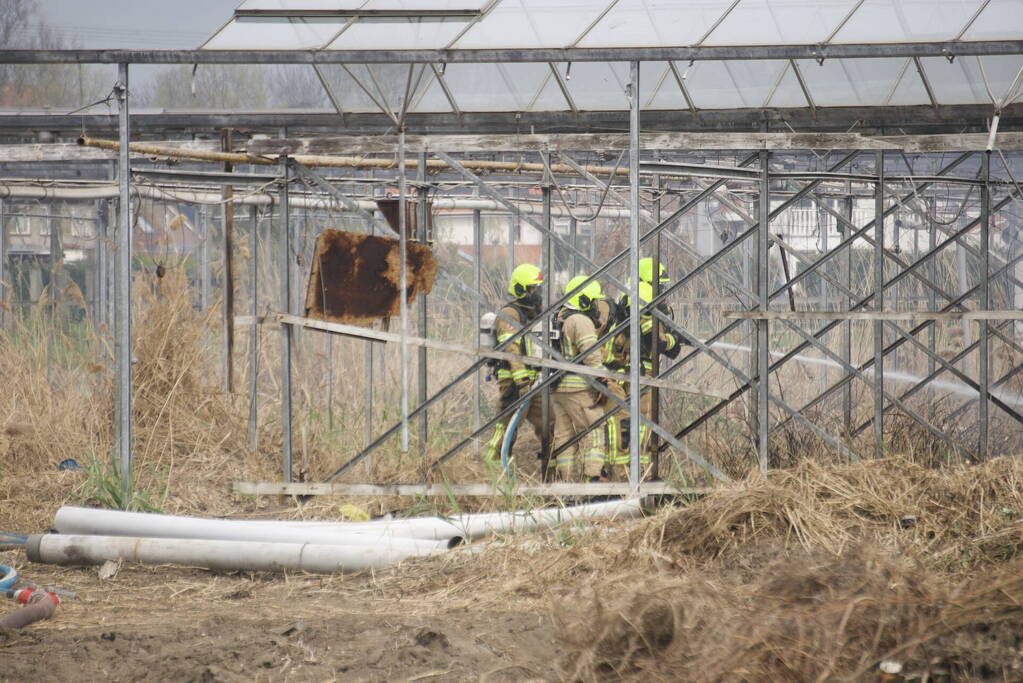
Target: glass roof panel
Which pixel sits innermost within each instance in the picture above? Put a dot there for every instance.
(495, 87)
(726, 85)
(759, 22)
(850, 82)
(549, 96)
(895, 21)
(637, 23)
(599, 86)
(407, 33)
(1000, 20)
(430, 96)
(424, 5)
(259, 33)
(531, 23)
(659, 88)
(350, 94)
(959, 82)
(301, 4)
(910, 89)
(788, 93)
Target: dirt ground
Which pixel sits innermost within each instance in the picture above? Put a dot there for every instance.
(175, 624)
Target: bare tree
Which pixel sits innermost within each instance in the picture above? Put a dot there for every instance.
(26, 85)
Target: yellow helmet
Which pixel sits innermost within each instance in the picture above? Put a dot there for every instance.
(646, 271)
(584, 298)
(646, 295)
(524, 276)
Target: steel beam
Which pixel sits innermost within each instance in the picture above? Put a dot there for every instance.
(948, 49)
(254, 331)
(286, 330)
(122, 306)
(878, 303)
(983, 362)
(764, 303)
(635, 338)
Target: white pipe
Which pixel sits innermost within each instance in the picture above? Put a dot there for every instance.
(93, 521)
(475, 526)
(213, 554)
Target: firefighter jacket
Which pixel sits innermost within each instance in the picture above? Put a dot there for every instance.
(617, 351)
(578, 333)
(516, 371)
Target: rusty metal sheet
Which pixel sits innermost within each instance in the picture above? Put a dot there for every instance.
(355, 278)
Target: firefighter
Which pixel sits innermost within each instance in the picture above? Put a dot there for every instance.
(575, 405)
(646, 274)
(515, 377)
(617, 359)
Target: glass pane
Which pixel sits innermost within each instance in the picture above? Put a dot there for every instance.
(849, 82)
(599, 86)
(531, 23)
(301, 4)
(659, 88)
(962, 82)
(910, 89)
(495, 87)
(351, 95)
(430, 97)
(399, 34)
(549, 97)
(788, 93)
(1002, 19)
(250, 33)
(637, 23)
(726, 85)
(958, 82)
(424, 5)
(768, 22)
(900, 21)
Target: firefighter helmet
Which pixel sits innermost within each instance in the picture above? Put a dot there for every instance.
(584, 298)
(524, 276)
(646, 271)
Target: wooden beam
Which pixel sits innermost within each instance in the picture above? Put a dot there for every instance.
(367, 333)
(912, 316)
(560, 489)
(385, 144)
(69, 151)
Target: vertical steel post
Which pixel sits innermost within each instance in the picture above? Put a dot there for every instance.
(403, 268)
(204, 259)
(227, 282)
(985, 301)
(573, 236)
(122, 305)
(286, 330)
(513, 224)
(477, 247)
(254, 334)
(546, 263)
(369, 392)
(932, 274)
(421, 235)
(635, 363)
(763, 272)
(879, 306)
(328, 350)
(102, 262)
(3, 262)
(847, 325)
(655, 334)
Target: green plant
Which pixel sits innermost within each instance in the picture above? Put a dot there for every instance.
(104, 486)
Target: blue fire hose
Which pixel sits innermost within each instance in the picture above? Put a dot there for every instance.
(10, 577)
(509, 433)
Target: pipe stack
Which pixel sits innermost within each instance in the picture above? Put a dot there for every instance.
(93, 536)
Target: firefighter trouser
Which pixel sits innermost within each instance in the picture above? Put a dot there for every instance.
(574, 411)
(619, 427)
(534, 415)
